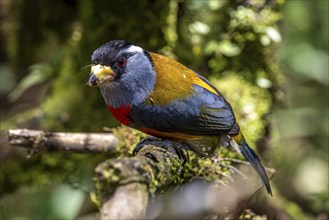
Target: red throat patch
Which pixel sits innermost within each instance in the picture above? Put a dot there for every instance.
(122, 114)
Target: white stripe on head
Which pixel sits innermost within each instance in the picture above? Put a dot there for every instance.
(133, 48)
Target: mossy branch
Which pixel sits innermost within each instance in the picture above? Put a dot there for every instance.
(123, 185)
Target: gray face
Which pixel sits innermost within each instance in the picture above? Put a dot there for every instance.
(124, 78)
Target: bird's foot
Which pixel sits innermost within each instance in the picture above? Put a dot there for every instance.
(173, 147)
(146, 141)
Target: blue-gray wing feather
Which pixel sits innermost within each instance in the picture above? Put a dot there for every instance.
(203, 113)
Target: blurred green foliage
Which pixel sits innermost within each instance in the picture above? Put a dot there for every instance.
(47, 44)
(302, 129)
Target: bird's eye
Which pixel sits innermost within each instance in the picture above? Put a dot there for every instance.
(122, 62)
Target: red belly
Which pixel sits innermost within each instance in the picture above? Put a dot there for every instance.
(122, 114)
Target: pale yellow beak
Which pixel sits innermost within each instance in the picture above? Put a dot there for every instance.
(100, 74)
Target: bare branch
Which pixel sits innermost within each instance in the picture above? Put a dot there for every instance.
(59, 141)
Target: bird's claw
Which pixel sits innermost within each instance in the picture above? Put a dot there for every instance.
(173, 147)
(146, 141)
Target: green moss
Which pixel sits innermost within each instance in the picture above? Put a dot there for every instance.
(128, 138)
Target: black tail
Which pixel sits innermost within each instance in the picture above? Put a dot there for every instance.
(253, 159)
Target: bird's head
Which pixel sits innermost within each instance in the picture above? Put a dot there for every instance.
(123, 72)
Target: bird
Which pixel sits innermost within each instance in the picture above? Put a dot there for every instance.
(165, 99)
